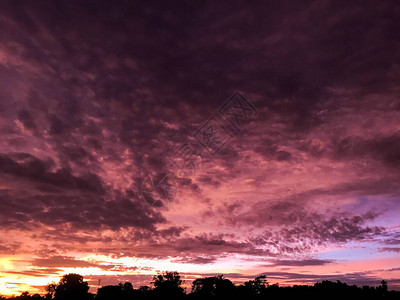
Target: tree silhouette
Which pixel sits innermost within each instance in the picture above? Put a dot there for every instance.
(210, 287)
(25, 296)
(72, 286)
(257, 286)
(120, 291)
(109, 292)
(168, 284)
(50, 289)
(384, 285)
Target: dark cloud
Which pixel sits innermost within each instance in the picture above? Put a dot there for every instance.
(43, 272)
(81, 211)
(382, 148)
(270, 151)
(26, 166)
(300, 263)
(357, 278)
(390, 249)
(26, 118)
(9, 248)
(199, 260)
(306, 232)
(194, 249)
(61, 262)
(392, 238)
(95, 97)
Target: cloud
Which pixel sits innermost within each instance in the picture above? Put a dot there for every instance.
(301, 263)
(358, 278)
(26, 166)
(308, 232)
(61, 262)
(199, 260)
(96, 98)
(383, 148)
(390, 249)
(290, 278)
(9, 248)
(82, 211)
(43, 272)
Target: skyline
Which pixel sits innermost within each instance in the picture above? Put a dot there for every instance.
(101, 104)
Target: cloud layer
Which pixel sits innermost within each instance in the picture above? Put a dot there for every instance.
(97, 99)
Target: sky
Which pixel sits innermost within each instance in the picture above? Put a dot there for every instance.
(204, 137)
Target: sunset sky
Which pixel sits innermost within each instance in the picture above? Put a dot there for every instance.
(99, 99)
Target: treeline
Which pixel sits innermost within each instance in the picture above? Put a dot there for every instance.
(169, 285)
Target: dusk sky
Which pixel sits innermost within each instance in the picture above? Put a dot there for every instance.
(204, 137)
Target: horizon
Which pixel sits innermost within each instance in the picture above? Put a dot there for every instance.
(201, 137)
(187, 286)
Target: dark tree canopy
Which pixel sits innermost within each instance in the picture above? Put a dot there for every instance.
(210, 287)
(169, 285)
(72, 286)
(120, 291)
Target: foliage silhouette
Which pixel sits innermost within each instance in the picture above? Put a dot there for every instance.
(213, 287)
(120, 291)
(72, 286)
(168, 285)
(50, 289)
(257, 286)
